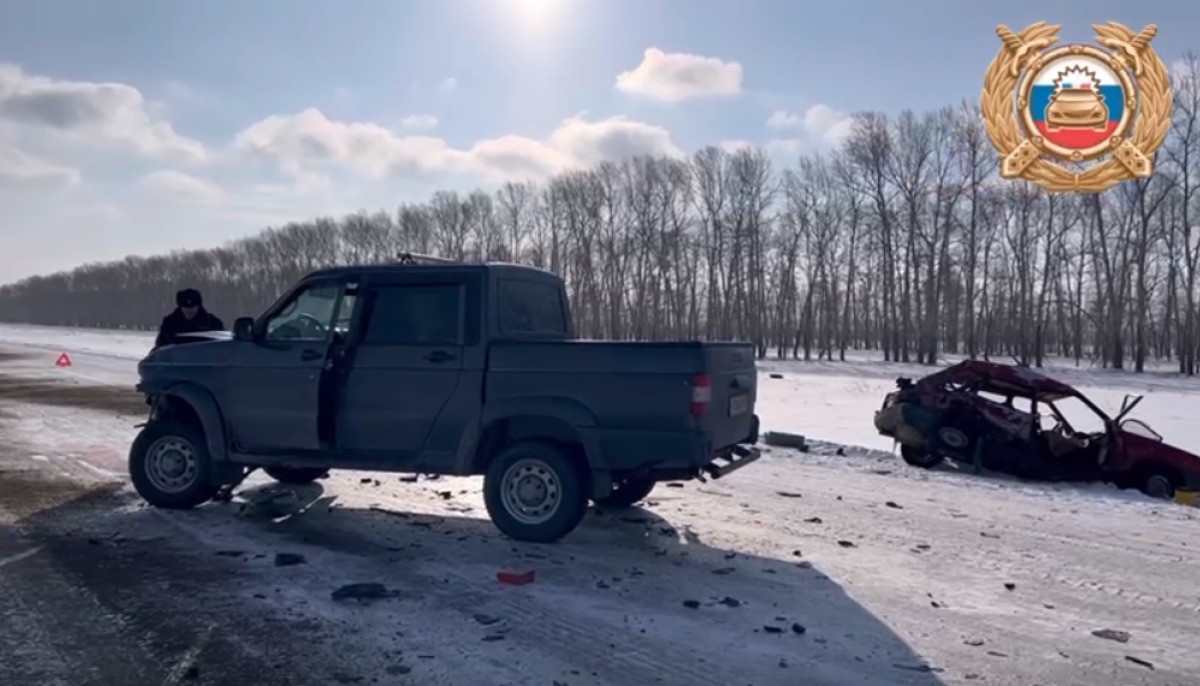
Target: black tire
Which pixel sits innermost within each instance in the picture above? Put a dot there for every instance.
(1158, 483)
(295, 476)
(545, 469)
(626, 492)
(170, 466)
(920, 457)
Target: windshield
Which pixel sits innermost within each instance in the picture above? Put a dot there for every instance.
(1139, 428)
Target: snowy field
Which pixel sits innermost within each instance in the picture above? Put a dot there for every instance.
(838, 566)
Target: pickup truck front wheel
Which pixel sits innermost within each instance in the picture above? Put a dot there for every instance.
(626, 492)
(535, 492)
(169, 465)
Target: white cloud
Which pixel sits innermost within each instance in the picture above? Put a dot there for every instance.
(180, 184)
(450, 84)
(674, 77)
(787, 147)
(22, 171)
(419, 121)
(83, 113)
(819, 121)
(736, 145)
(308, 140)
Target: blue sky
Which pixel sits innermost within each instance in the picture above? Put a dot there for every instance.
(230, 116)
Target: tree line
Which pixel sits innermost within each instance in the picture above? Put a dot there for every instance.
(903, 239)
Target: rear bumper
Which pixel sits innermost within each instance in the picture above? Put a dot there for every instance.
(674, 454)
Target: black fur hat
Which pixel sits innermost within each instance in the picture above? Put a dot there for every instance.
(189, 297)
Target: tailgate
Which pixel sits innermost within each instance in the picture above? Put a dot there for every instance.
(734, 380)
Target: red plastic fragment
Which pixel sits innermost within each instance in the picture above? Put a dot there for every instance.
(515, 578)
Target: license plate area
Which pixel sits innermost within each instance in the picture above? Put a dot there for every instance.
(738, 405)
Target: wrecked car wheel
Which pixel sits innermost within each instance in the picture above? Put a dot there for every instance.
(626, 492)
(295, 476)
(169, 465)
(1160, 486)
(920, 457)
(535, 492)
(953, 438)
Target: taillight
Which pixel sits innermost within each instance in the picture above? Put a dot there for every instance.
(701, 395)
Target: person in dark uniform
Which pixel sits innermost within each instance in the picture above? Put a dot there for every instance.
(189, 316)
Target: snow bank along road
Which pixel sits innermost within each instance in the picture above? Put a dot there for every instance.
(816, 568)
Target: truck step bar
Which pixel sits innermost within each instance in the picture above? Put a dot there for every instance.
(734, 459)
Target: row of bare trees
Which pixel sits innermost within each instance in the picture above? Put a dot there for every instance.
(904, 240)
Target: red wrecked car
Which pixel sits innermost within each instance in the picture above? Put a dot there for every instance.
(1007, 419)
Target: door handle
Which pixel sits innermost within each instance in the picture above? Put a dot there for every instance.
(310, 355)
(439, 356)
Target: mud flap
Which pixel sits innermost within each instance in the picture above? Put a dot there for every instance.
(735, 459)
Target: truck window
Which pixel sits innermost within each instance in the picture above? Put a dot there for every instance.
(530, 307)
(307, 316)
(414, 315)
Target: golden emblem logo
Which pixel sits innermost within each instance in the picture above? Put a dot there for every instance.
(1103, 113)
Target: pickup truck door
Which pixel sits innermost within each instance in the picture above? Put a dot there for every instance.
(403, 367)
(274, 402)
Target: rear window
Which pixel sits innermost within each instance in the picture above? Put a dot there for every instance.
(530, 307)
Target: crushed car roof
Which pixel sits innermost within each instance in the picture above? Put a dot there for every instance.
(1003, 379)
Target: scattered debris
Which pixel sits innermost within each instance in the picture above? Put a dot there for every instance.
(390, 513)
(692, 604)
(841, 452)
(363, 591)
(730, 602)
(776, 376)
(1112, 635)
(409, 479)
(893, 505)
(973, 642)
(398, 670)
(988, 534)
(916, 667)
(493, 637)
(486, 620)
(1139, 661)
(289, 559)
(772, 629)
(516, 578)
(724, 570)
(365, 480)
(1010, 586)
(445, 495)
(674, 484)
(799, 629)
(782, 439)
(814, 520)
(225, 553)
(787, 494)
(847, 544)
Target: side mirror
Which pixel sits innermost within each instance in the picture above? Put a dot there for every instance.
(243, 329)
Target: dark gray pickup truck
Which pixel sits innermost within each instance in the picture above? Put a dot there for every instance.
(455, 369)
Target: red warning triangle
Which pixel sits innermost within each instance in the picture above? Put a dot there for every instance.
(63, 361)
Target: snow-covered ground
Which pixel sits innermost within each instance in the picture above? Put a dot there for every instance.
(890, 575)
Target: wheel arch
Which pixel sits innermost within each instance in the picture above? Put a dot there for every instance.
(193, 403)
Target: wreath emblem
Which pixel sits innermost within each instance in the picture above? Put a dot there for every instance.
(1077, 104)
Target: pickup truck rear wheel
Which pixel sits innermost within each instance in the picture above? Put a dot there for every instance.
(170, 466)
(295, 476)
(535, 492)
(626, 492)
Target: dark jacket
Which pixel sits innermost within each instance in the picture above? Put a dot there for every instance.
(175, 325)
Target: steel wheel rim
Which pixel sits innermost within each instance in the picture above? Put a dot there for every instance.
(172, 465)
(530, 491)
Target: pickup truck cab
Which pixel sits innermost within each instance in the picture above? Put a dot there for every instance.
(442, 368)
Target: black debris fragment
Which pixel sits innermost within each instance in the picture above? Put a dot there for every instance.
(847, 544)
(1139, 661)
(799, 629)
(893, 505)
(772, 629)
(1010, 586)
(1112, 635)
(288, 559)
(486, 620)
(692, 604)
(787, 494)
(730, 602)
(814, 520)
(363, 591)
